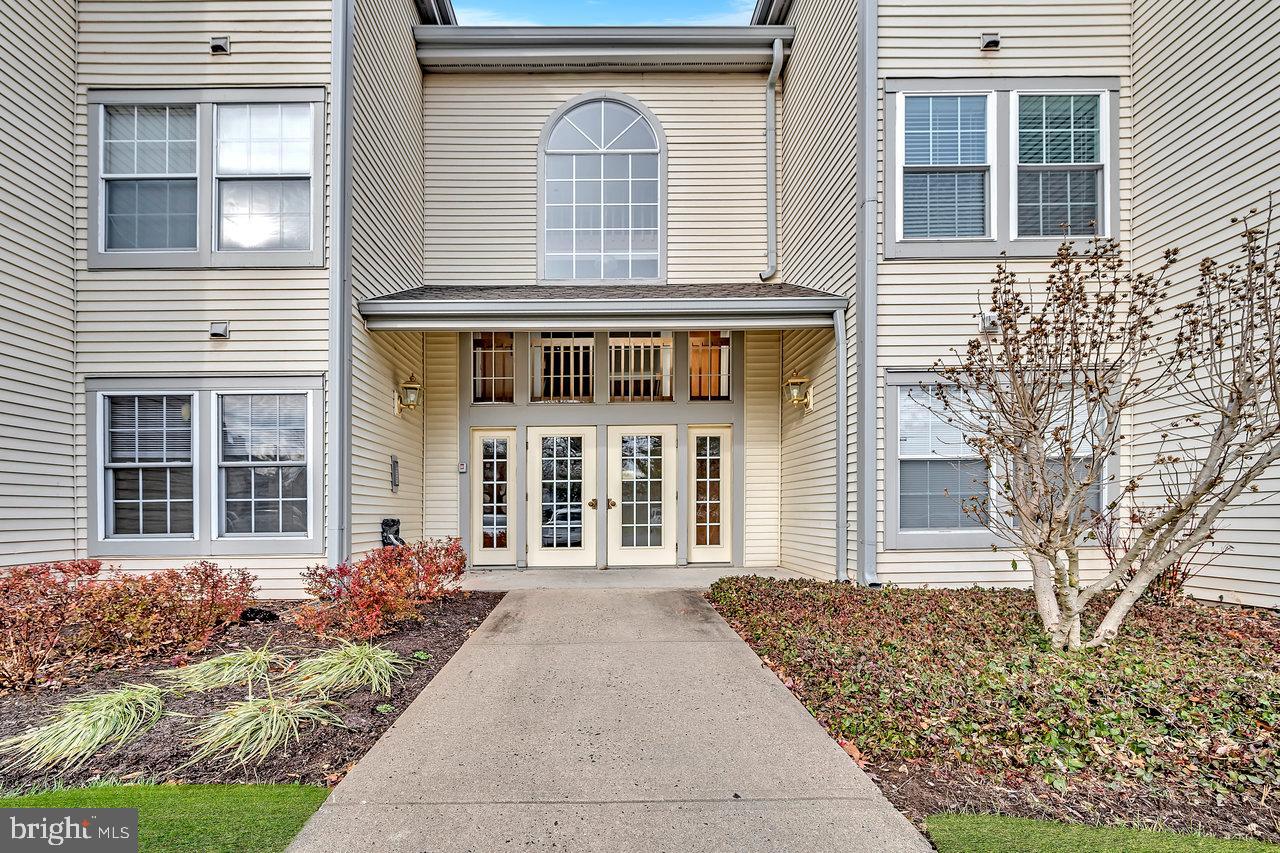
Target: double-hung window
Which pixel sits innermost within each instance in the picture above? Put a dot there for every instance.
(205, 466)
(937, 487)
(206, 178)
(945, 170)
(1059, 165)
(980, 167)
(148, 468)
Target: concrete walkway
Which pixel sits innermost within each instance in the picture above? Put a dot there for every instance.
(606, 720)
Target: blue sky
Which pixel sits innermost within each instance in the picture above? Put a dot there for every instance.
(602, 12)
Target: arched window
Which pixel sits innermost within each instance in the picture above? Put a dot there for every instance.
(602, 193)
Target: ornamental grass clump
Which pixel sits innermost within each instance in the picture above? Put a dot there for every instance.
(349, 666)
(84, 726)
(233, 669)
(252, 729)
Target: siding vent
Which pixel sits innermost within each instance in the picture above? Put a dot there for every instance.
(220, 45)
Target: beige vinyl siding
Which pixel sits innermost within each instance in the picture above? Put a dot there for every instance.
(37, 284)
(482, 135)
(808, 457)
(1205, 126)
(819, 175)
(440, 399)
(762, 444)
(927, 308)
(386, 256)
(151, 322)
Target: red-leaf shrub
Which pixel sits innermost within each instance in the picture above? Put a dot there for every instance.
(57, 615)
(141, 613)
(38, 606)
(361, 599)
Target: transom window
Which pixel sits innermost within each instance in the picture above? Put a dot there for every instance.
(493, 367)
(206, 178)
(640, 366)
(602, 194)
(709, 360)
(1059, 164)
(946, 172)
(562, 367)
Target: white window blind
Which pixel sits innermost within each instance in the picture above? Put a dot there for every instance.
(263, 463)
(149, 177)
(939, 475)
(601, 195)
(1059, 164)
(148, 465)
(945, 172)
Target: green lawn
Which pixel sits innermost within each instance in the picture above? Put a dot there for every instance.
(962, 833)
(197, 818)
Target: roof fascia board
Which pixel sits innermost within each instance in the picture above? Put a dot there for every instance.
(568, 323)
(494, 48)
(704, 308)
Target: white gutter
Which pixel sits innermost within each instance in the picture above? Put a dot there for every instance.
(868, 386)
(338, 520)
(770, 159)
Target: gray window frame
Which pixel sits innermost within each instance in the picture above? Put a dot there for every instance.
(1002, 162)
(206, 539)
(545, 138)
(206, 255)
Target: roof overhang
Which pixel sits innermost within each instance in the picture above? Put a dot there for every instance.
(403, 312)
(480, 49)
(770, 12)
(438, 12)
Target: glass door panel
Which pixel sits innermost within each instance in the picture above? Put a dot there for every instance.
(562, 518)
(492, 489)
(710, 494)
(642, 496)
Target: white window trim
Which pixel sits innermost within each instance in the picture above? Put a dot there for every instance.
(207, 254)
(1106, 217)
(900, 163)
(207, 539)
(544, 140)
(1002, 164)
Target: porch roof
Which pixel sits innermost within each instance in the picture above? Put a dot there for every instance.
(528, 307)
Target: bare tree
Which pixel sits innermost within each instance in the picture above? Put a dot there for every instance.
(1048, 396)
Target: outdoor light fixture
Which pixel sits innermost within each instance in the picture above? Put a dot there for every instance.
(799, 391)
(410, 394)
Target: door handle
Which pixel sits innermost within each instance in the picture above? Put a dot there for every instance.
(592, 503)
(612, 503)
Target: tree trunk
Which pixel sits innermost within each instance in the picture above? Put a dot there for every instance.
(1109, 627)
(1042, 584)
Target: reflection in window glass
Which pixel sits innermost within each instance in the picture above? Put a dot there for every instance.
(263, 163)
(640, 365)
(942, 484)
(493, 367)
(149, 177)
(709, 365)
(263, 463)
(149, 465)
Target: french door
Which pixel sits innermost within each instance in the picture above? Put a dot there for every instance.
(562, 496)
(492, 497)
(642, 496)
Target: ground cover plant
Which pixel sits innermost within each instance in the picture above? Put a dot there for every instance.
(197, 818)
(246, 667)
(966, 833)
(955, 700)
(84, 726)
(349, 666)
(252, 729)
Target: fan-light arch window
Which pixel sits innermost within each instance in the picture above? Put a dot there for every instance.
(602, 194)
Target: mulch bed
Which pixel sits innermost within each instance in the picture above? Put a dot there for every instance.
(322, 756)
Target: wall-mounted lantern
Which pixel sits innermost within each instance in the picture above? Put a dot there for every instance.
(410, 394)
(799, 391)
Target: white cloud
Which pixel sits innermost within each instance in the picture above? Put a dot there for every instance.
(736, 13)
(475, 16)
